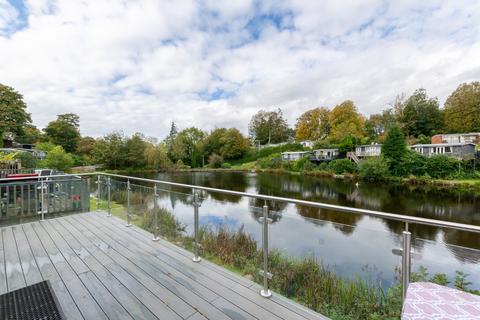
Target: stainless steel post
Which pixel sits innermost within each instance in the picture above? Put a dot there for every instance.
(406, 262)
(196, 205)
(99, 186)
(109, 184)
(42, 194)
(129, 213)
(265, 292)
(155, 212)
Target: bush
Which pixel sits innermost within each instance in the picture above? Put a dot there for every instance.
(226, 165)
(340, 166)
(375, 168)
(440, 166)
(26, 159)
(215, 160)
(412, 163)
(302, 164)
(58, 159)
(273, 161)
(170, 226)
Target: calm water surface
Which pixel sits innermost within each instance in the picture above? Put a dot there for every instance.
(351, 244)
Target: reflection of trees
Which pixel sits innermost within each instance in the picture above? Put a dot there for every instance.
(342, 221)
(418, 231)
(257, 213)
(462, 245)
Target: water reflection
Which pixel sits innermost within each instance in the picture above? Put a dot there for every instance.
(344, 241)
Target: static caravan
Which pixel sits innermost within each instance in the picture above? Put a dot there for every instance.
(462, 151)
(294, 155)
(368, 150)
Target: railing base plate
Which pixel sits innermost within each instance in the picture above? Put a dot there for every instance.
(155, 238)
(196, 259)
(265, 294)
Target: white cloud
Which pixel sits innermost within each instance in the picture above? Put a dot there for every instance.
(8, 14)
(137, 65)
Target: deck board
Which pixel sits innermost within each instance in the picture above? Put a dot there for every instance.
(100, 269)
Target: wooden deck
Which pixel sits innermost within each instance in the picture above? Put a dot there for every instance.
(101, 269)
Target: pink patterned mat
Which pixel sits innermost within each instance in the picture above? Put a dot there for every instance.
(431, 301)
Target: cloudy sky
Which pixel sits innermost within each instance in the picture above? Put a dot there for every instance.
(136, 65)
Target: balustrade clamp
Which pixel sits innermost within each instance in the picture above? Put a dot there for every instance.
(155, 212)
(99, 184)
(196, 206)
(109, 185)
(129, 212)
(265, 292)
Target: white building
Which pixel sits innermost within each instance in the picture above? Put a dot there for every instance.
(471, 137)
(368, 150)
(294, 155)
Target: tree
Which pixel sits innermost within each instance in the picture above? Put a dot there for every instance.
(269, 127)
(170, 138)
(64, 131)
(86, 145)
(346, 120)
(378, 124)
(110, 150)
(312, 125)
(421, 115)
(394, 147)
(233, 144)
(156, 156)
(462, 108)
(134, 151)
(30, 135)
(185, 146)
(58, 159)
(13, 114)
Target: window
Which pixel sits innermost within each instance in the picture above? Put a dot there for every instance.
(448, 149)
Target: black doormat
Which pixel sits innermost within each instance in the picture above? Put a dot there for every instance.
(37, 301)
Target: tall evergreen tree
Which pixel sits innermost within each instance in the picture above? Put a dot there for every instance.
(394, 147)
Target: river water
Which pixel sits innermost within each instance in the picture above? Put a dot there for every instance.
(353, 245)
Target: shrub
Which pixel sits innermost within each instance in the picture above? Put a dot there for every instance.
(340, 166)
(170, 226)
(412, 163)
(375, 168)
(273, 161)
(26, 159)
(215, 160)
(301, 164)
(226, 165)
(58, 159)
(441, 166)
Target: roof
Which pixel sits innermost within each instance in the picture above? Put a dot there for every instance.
(458, 144)
(295, 152)
(322, 149)
(459, 134)
(369, 145)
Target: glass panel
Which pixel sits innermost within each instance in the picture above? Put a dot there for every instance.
(334, 262)
(448, 264)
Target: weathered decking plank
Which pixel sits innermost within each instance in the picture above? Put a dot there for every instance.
(29, 265)
(85, 302)
(101, 295)
(128, 300)
(154, 267)
(220, 282)
(100, 269)
(155, 305)
(13, 266)
(49, 272)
